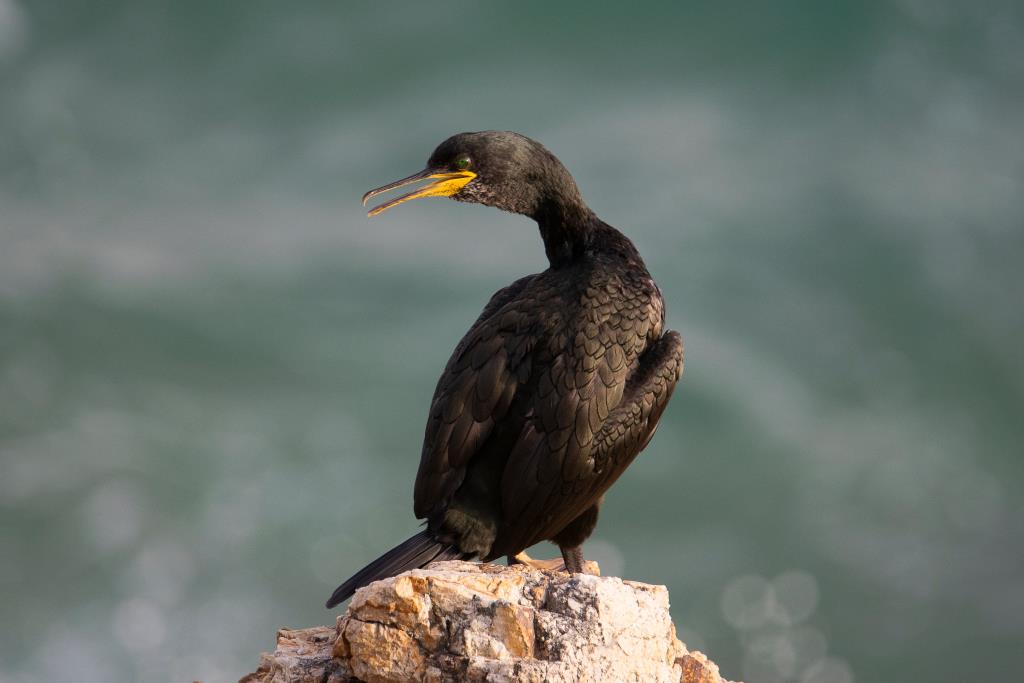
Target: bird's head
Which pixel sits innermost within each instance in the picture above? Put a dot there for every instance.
(497, 168)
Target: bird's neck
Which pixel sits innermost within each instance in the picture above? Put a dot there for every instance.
(566, 227)
(572, 232)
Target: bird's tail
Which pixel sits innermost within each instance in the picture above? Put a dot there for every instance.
(413, 553)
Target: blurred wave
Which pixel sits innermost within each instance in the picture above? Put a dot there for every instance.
(214, 370)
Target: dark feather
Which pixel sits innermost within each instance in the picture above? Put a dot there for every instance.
(413, 553)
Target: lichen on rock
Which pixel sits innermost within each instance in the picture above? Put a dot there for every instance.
(460, 621)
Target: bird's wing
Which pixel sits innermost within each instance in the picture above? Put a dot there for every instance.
(585, 438)
(472, 395)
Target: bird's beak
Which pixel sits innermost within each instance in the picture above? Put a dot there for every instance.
(445, 185)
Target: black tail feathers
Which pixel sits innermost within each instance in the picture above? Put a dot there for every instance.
(413, 553)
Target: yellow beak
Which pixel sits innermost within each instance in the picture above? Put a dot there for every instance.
(445, 185)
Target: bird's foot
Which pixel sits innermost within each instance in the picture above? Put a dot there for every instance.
(553, 565)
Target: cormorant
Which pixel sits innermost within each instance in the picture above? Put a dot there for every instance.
(557, 386)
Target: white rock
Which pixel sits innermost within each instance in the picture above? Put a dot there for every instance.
(459, 621)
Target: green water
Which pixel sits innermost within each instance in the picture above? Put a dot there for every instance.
(214, 371)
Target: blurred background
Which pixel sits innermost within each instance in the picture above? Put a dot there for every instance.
(215, 371)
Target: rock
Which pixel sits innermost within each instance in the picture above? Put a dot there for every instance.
(459, 621)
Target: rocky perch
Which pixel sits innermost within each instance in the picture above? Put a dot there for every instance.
(459, 621)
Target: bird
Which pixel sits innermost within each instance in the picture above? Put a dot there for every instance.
(553, 391)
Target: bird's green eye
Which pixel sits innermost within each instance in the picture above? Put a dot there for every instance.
(462, 163)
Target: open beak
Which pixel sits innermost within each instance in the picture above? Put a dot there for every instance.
(445, 185)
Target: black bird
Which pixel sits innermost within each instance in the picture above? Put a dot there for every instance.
(557, 386)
